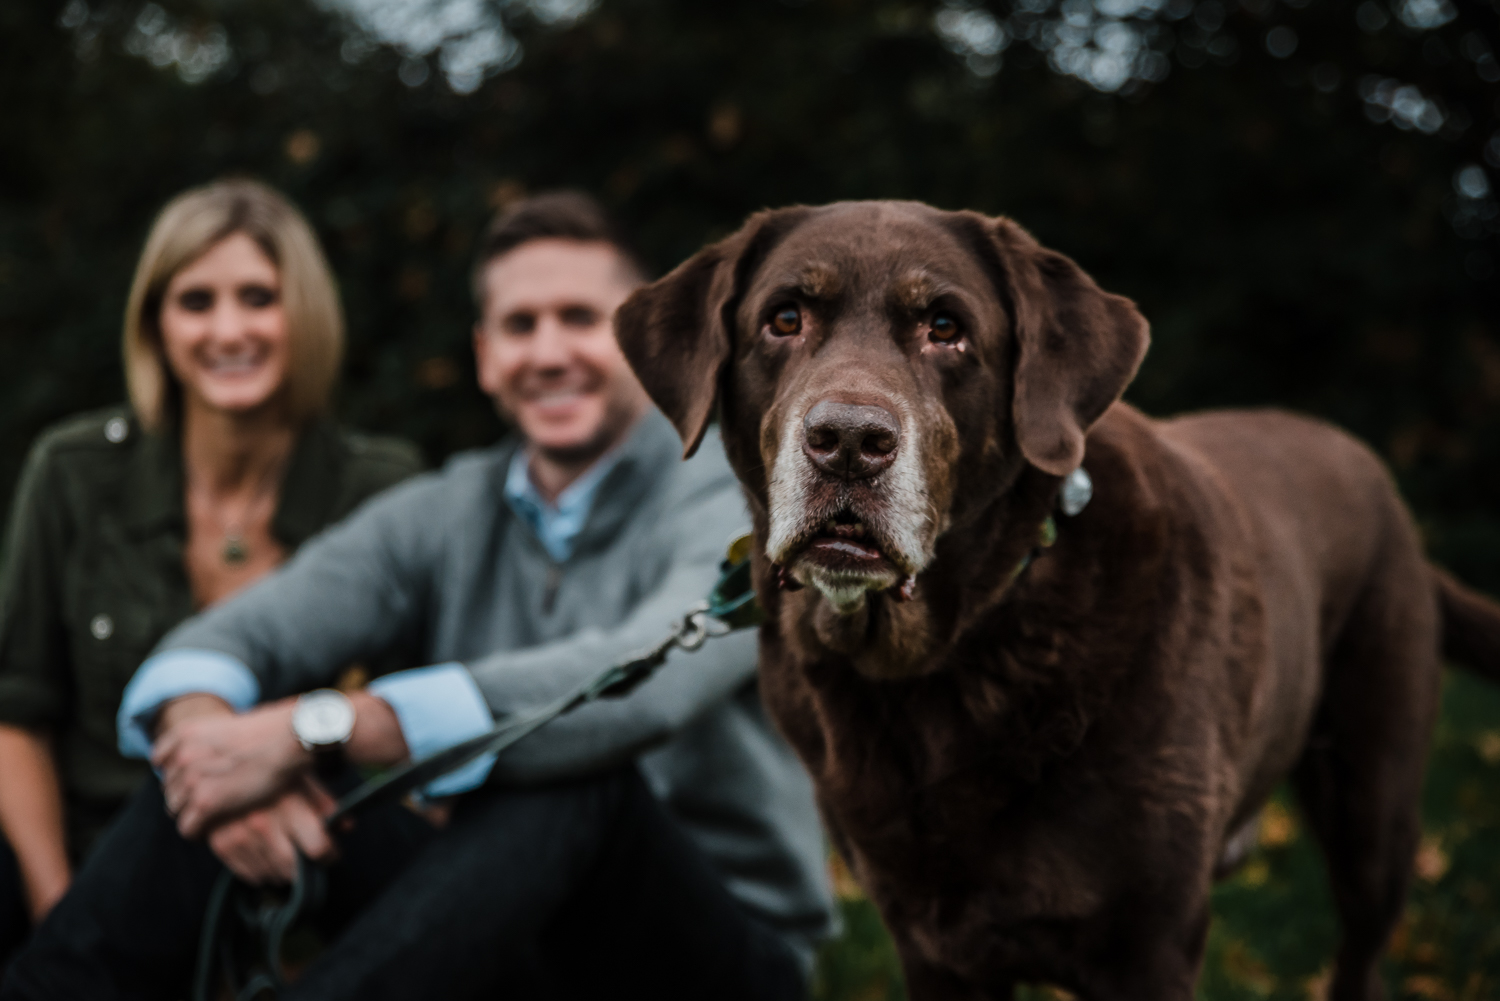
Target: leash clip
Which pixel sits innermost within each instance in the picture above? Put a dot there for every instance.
(698, 626)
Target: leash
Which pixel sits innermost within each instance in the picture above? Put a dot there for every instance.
(244, 926)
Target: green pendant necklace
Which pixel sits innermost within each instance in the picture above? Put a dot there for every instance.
(234, 551)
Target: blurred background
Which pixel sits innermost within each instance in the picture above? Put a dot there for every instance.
(1298, 193)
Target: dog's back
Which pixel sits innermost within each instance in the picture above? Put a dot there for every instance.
(1346, 590)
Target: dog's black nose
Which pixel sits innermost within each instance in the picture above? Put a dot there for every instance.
(849, 440)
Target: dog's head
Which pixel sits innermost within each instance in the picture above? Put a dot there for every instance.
(885, 371)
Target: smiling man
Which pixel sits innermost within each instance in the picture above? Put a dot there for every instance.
(663, 845)
(545, 349)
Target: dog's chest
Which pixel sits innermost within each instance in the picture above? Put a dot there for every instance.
(959, 848)
(981, 899)
(973, 866)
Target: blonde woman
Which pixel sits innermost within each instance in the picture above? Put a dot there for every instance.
(128, 520)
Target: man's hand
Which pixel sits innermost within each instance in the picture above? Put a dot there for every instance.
(215, 765)
(261, 846)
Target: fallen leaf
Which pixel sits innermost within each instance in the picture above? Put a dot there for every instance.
(1431, 862)
(1277, 827)
(1488, 746)
(1316, 986)
(1423, 953)
(1426, 986)
(845, 886)
(1246, 967)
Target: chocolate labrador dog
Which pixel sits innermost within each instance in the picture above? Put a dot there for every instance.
(1036, 737)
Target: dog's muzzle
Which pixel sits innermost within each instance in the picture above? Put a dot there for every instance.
(849, 511)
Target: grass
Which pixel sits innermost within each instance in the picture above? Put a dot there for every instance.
(1274, 930)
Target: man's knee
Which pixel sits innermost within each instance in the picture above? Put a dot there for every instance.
(592, 803)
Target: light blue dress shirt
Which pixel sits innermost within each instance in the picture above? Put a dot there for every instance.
(437, 707)
(556, 525)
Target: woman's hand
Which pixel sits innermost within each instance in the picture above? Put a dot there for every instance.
(44, 888)
(216, 765)
(261, 846)
(31, 817)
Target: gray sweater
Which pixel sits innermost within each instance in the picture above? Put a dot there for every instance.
(442, 567)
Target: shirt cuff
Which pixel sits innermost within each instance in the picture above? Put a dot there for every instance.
(438, 707)
(170, 675)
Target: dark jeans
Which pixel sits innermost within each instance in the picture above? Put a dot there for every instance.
(574, 890)
(15, 920)
(15, 923)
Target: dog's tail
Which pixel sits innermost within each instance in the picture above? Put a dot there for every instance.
(1471, 626)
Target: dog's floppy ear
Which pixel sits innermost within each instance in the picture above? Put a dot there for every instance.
(677, 333)
(1077, 348)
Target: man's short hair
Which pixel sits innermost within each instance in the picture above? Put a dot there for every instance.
(553, 215)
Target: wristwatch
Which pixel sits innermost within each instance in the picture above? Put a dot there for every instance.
(323, 720)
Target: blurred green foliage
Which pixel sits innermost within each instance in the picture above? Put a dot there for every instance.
(1298, 215)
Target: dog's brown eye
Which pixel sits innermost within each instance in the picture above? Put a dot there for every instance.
(787, 321)
(944, 328)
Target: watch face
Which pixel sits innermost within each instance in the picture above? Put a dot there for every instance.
(323, 718)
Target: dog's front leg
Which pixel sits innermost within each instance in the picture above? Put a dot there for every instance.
(1160, 962)
(926, 982)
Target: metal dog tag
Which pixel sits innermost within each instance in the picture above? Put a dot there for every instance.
(1077, 491)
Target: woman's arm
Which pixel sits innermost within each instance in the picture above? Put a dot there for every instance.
(35, 669)
(31, 816)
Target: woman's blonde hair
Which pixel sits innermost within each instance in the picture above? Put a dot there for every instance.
(185, 229)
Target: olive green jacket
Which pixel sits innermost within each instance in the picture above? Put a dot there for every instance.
(93, 577)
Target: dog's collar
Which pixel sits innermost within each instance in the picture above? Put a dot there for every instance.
(1076, 492)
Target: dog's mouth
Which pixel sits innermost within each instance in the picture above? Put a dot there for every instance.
(845, 557)
(844, 543)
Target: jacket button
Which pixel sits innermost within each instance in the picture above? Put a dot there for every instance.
(103, 627)
(116, 428)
